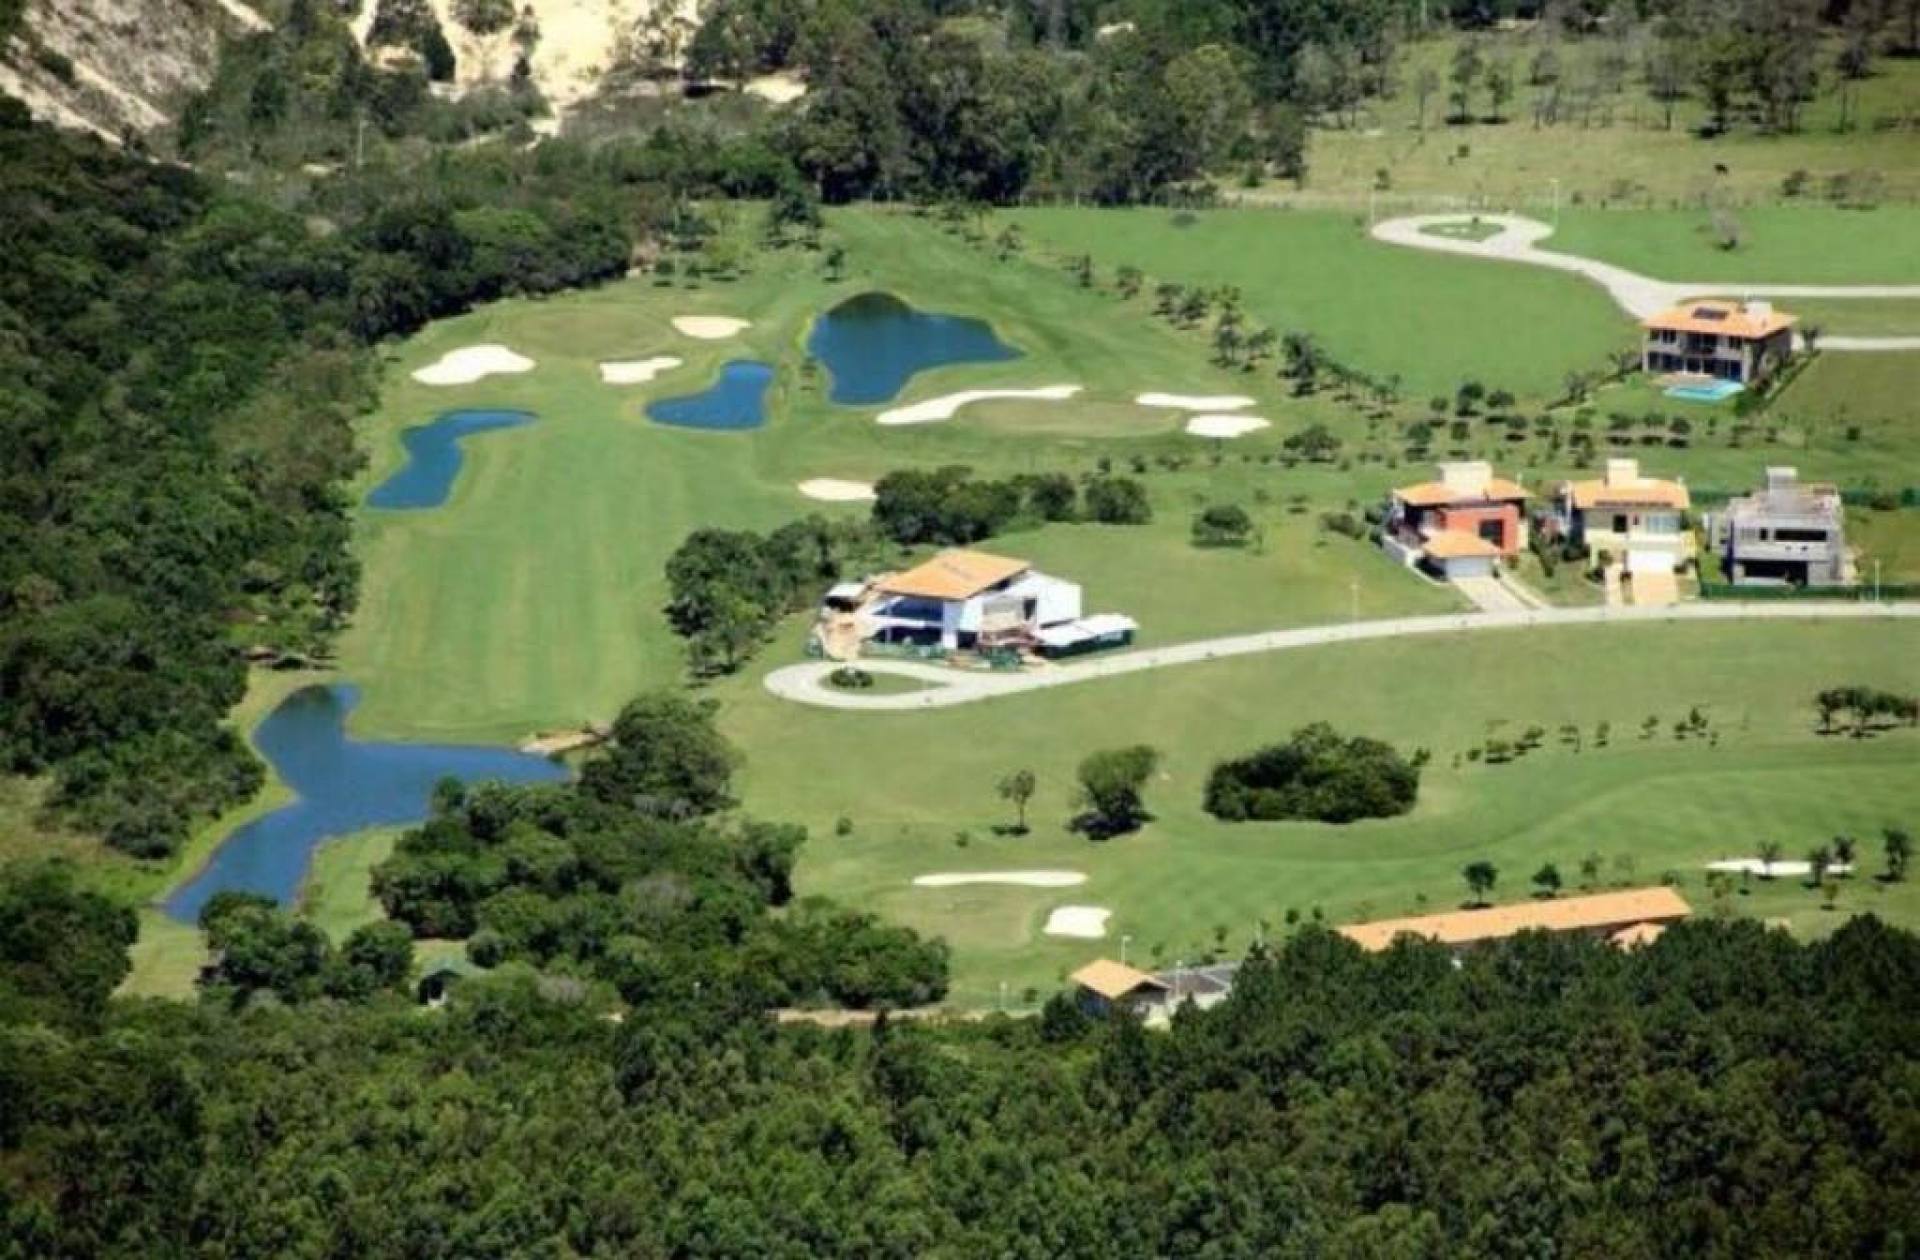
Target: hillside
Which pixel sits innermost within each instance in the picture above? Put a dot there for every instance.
(110, 66)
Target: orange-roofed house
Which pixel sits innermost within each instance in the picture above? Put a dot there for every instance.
(964, 599)
(1622, 517)
(1459, 525)
(1730, 341)
(1104, 984)
(1606, 915)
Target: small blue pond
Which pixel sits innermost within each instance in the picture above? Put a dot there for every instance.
(344, 786)
(1711, 391)
(873, 344)
(736, 401)
(433, 458)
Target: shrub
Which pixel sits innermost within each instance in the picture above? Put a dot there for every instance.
(1222, 525)
(847, 678)
(1117, 501)
(1318, 774)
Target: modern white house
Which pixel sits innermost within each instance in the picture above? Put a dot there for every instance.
(965, 601)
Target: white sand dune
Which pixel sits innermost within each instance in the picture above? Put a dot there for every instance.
(1087, 923)
(1224, 426)
(1763, 869)
(945, 406)
(636, 371)
(1196, 402)
(709, 327)
(473, 363)
(834, 490)
(1025, 879)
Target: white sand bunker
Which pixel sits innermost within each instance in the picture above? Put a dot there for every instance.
(1224, 426)
(473, 363)
(1196, 402)
(709, 327)
(636, 371)
(834, 490)
(1768, 870)
(778, 89)
(1027, 879)
(1088, 923)
(945, 406)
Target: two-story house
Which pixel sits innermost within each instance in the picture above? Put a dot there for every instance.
(1460, 525)
(1789, 532)
(1730, 341)
(1624, 518)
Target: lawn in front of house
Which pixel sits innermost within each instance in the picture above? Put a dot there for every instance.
(1810, 244)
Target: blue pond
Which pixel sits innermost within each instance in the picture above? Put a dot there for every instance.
(343, 786)
(736, 401)
(433, 458)
(873, 344)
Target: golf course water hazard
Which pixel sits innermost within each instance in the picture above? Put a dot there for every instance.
(343, 787)
(873, 344)
(434, 459)
(736, 401)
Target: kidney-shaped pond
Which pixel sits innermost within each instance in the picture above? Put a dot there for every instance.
(434, 459)
(873, 344)
(344, 786)
(737, 400)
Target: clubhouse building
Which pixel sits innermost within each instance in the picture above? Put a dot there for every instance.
(1459, 525)
(1740, 342)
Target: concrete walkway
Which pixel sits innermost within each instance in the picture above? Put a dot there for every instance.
(1639, 296)
(806, 684)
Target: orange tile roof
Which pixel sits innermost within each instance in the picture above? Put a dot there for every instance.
(1113, 980)
(1564, 914)
(1721, 318)
(1646, 492)
(1454, 544)
(1439, 493)
(953, 575)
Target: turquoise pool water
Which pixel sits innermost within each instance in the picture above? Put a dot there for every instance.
(343, 786)
(735, 401)
(434, 459)
(873, 344)
(1716, 391)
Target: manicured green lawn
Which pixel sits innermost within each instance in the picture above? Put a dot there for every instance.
(1891, 538)
(1431, 319)
(1473, 229)
(1779, 244)
(337, 894)
(1860, 317)
(918, 787)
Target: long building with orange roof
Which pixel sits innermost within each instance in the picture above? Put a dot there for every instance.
(1608, 914)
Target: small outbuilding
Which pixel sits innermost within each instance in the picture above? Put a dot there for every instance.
(1103, 984)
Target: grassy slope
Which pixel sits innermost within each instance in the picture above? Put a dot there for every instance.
(1862, 317)
(1780, 244)
(911, 782)
(1633, 161)
(1433, 319)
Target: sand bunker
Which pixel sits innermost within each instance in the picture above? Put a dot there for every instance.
(1088, 923)
(944, 407)
(1196, 402)
(636, 371)
(778, 89)
(709, 327)
(1224, 426)
(473, 363)
(1026, 879)
(1766, 871)
(834, 490)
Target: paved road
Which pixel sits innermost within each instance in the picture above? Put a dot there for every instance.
(806, 684)
(1638, 295)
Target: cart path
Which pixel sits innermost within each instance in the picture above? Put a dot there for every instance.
(807, 683)
(1639, 296)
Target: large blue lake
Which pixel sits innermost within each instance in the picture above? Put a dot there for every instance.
(434, 459)
(872, 345)
(737, 400)
(344, 786)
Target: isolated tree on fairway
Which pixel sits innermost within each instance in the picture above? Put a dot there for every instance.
(1899, 853)
(1017, 789)
(1111, 782)
(1547, 880)
(1844, 851)
(1770, 851)
(1480, 877)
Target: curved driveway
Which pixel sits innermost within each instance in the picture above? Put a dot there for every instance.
(1638, 295)
(806, 684)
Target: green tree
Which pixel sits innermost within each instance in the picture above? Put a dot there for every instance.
(1111, 785)
(1017, 789)
(1547, 880)
(1899, 850)
(1222, 525)
(1480, 876)
(666, 757)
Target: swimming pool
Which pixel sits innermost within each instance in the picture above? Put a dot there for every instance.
(1711, 391)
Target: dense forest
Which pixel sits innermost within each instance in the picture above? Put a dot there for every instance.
(1724, 1091)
